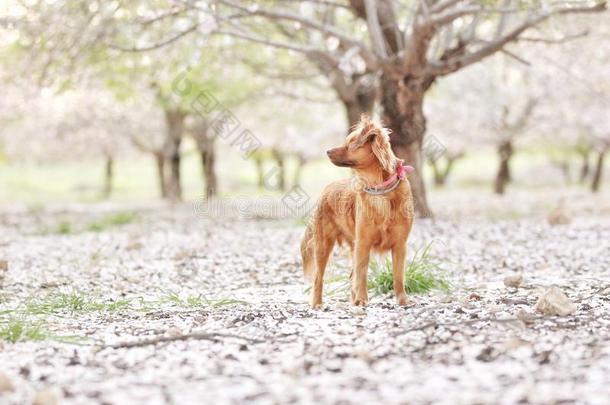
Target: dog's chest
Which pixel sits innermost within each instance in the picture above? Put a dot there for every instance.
(382, 222)
(380, 208)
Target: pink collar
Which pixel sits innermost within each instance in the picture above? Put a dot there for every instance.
(392, 182)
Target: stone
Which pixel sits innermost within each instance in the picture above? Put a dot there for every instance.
(513, 281)
(6, 385)
(46, 397)
(174, 332)
(558, 216)
(474, 297)
(526, 317)
(555, 302)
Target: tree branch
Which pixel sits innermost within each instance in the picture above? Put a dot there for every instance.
(457, 63)
(285, 15)
(562, 40)
(195, 335)
(322, 2)
(368, 56)
(442, 6)
(372, 22)
(515, 57)
(156, 45)
(259, 40)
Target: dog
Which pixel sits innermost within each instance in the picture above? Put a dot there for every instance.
(371, 212)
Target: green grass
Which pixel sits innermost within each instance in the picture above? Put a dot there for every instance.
(75, 302)
(136, 180)
(26, 321)
(62, 228)
(109, 221)
(21, 330)
(72, 302)
(198, 301)
(423, 274)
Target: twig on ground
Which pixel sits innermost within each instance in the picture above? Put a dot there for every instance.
(469, 322)
(195, 336)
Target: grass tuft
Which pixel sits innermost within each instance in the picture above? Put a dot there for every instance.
(423, 274)
(62, 228)
(198, 301)
(21, 330)
(71, 302)
(26, 321)
(109, 221)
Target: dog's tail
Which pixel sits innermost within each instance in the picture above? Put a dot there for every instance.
(307, 253)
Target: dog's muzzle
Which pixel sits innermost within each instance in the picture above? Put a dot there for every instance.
(337, 157)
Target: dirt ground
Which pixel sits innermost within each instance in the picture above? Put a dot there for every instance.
(214, 310)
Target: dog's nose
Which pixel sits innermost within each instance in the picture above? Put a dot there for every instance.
(329, 152)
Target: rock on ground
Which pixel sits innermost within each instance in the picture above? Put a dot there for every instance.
(555, 302)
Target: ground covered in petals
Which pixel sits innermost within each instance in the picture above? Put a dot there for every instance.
(163, 305)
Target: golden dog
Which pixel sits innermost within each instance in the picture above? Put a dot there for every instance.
(371, 212)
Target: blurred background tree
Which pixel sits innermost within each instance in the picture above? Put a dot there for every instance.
(98, 80)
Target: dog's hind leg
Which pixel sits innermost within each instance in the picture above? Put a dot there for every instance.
(323, 247)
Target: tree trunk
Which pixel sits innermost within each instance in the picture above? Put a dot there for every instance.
(441, 174)
(206, 144)
(585, 168)
(439, 180)
(160, 164)
(174, 186)
(564, 166)
(175, 128)
(258, 159)
(108, 177)
(279, 159)
(298, 171)
(208, 161)
(599, 169)
(403, 113)
(353, 111)
(362, 103)
(505, 152)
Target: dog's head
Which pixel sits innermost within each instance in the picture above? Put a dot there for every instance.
(368, 144)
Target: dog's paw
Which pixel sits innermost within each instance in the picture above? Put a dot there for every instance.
(317, 306)
(402, 299)
(360, 302)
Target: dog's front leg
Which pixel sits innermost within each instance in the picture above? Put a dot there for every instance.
(398, 265)
(361, 265)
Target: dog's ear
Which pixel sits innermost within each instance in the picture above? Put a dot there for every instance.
(364, 130)
(364, 120)
(383, 151)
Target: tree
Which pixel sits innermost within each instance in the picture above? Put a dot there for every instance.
(437, 39)
(485, 114)
(312, 127)
(205, 139)
(578, 95)
(67, 42)
(87, 122)
(401, 49)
